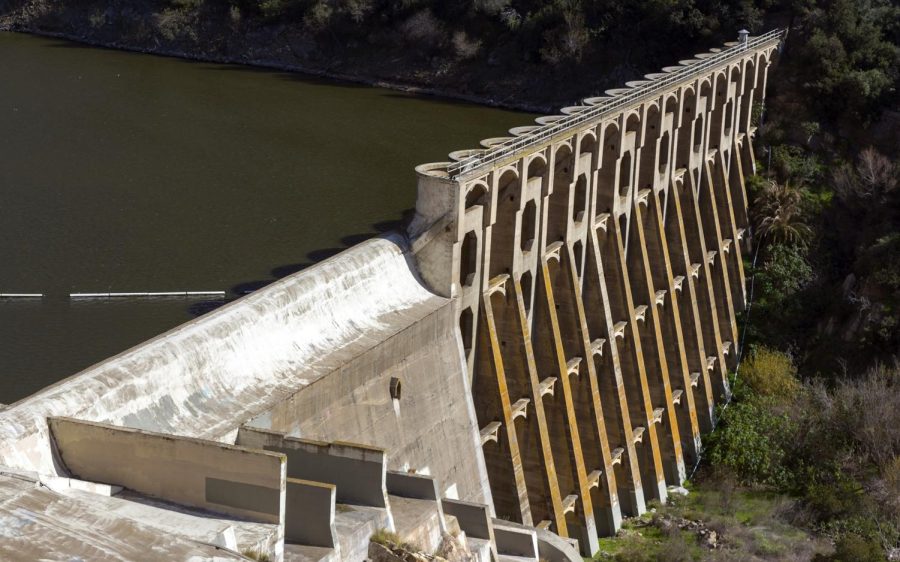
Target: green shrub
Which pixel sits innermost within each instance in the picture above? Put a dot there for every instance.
(633, 549)
(386, 538)
(796, 164)
(752, 441)
(854, 548)
(770, 373)
(674, 548)
(257, 555)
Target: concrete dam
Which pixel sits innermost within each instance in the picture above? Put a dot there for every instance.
(537, 357)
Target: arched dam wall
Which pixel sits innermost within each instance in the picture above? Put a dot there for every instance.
(537, 357)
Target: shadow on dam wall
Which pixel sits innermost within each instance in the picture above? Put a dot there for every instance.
(200, 308)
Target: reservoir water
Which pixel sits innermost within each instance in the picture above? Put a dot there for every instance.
(122, 172)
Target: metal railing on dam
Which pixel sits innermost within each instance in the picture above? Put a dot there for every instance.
(514, 147)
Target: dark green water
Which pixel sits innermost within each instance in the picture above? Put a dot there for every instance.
(122, 172)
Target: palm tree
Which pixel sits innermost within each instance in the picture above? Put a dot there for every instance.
(779, 215)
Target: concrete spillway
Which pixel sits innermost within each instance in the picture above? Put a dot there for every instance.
(206, 377)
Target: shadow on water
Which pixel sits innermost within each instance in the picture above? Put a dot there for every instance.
(316, 256)
(290, 269)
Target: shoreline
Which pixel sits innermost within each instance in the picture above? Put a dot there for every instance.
(285, 67)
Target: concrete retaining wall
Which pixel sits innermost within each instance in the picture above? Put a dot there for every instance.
(515, 540)
(357, 471)
(309, 516)
(430, 429)
(414, 486)
(473, 518)
(191, 472)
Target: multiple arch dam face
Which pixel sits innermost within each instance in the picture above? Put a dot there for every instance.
(596, 263)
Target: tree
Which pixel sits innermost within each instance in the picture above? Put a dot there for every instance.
(779, 215)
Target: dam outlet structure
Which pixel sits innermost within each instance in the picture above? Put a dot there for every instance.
(537, 357)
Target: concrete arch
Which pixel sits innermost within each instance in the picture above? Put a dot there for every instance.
(628, 114)
(633, 125)
(585, 134)
(535, 166)
(605, 191)
(749, 74)
(652, 122)
(565, 142)
(736, 71)
(704, 82)
(502, 170)
(652, 103)
(469, 252)
(668, 99)
(477, 193)
(558, 201)
(623, 177)
(503, 230)
(587, 144)
(587, 154)
(720, 89)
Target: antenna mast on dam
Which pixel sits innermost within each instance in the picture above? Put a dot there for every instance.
(535, 359)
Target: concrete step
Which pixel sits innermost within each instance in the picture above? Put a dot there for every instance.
(475, 521)
(302, 553)
(418, 522)
(480, 549)
(514, 540)
(355, 524)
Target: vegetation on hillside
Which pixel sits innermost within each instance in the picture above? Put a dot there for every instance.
(816, 410)
(515, 52)
(716, 521)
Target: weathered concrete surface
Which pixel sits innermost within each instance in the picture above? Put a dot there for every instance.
(515, 540)
(418, 522)
(170, 519)
(38, 524)
(429, 429)
(362, 318)
(192, 472)
(355, 525)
